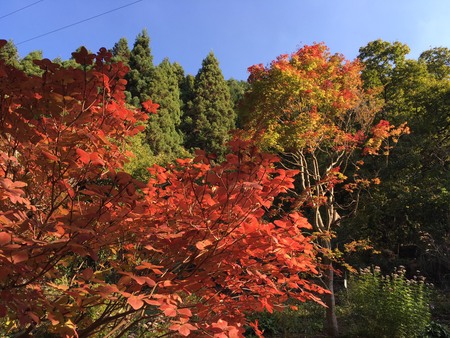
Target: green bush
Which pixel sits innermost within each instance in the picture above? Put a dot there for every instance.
(436, 330)
(388, 306)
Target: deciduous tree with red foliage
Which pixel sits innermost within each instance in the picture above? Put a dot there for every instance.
(86, 249)
(311, 108)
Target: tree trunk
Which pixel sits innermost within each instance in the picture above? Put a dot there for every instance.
(331, 324)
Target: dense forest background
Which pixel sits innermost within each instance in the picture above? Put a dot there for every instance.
(401, 220)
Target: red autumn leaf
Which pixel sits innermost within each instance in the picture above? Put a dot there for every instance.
(254, 326)
(5, 238)
(153, 302)
(83, 57)
(83, 156)
(281, 224)
(87, 273)
(201, 245)
(95, 159)
(34, 316)
(220, 324)
(150, 107)
(147, 265)
(123, 178)
(106, 290)
(169, 310)
(300, 221)
(49, 155)
(65, 185)
(52, 319)
(185, 312)
(183, 329)
(144, 280)
(19, 257)
(135, 302)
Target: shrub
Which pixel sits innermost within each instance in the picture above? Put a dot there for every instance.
(436, 330)
(388, 306)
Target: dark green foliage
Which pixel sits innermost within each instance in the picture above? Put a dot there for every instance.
(410, 208)
(121, 52)
(9, 54)
(380, 58)
(179, 72)
(436, 330)
(237, 90)
(305, 320)
(141, 68)
(187, 97)
(163, 135)
(440, 312)
(437, 61)
(211, 118)
(186, 88)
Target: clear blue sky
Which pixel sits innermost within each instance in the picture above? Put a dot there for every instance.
(239, 32)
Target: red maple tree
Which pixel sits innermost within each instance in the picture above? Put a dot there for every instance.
(311, 108)
(87, 249)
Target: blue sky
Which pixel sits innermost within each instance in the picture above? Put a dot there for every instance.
(239, 32)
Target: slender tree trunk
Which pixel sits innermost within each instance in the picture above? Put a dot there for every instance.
(331, 323)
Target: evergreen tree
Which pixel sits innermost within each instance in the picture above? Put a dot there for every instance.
(179, 72)
(187, 99)
(121, 52)
(141, 68)
(237, 90)
(28, 66)
(9, 54)
(187, 95)
(212, 116)
(163, 134)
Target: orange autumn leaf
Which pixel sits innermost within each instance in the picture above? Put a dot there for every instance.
(135, 302)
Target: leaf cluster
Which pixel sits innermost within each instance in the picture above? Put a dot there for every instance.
(85, 248)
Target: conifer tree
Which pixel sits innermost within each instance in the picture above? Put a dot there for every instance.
(212, 112)
(237, 90)
(121, 52)
(187, 99)
(9, 54)
(141, 67)
(27, 63)
(187, 94)
(164, 137)
(179, 72)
